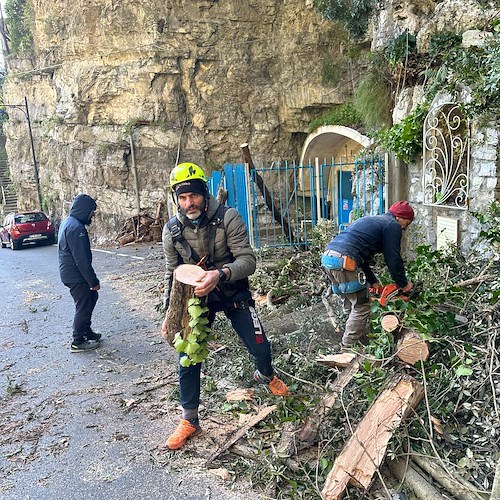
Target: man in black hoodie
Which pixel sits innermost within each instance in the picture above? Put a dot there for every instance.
(75, 269)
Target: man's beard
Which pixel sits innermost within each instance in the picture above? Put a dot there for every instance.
(194, 213)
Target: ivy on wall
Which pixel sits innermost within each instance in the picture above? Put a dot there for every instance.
(448, 66)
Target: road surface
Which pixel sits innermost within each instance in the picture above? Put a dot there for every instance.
(88, 425)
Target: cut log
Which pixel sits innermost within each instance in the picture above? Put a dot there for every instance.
(364, 452)
(342, 360)
(189, 274)
(390, 322)
(177, 313)
(309, 432)
(422, 489)
(411, 347)
(241, 432)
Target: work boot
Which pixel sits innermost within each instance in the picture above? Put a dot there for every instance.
(184, 431)
(83, 345)
(277, 386)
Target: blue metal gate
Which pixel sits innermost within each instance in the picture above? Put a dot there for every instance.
(296, 197)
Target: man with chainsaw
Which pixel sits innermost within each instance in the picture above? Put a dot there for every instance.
(347, 262)
(206, 231)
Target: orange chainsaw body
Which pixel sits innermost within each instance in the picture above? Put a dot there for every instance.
(391, 292)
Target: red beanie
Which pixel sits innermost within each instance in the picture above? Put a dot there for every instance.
(402, 209)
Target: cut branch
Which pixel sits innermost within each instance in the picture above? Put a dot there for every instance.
(310, 430)
(241, 432)
(458, 487)
(422, 489)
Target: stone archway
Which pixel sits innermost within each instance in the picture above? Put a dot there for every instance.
(341, 186)
(333, 141)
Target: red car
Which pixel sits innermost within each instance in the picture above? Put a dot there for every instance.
(25, 228)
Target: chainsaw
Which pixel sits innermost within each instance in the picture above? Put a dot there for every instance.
(393, 292)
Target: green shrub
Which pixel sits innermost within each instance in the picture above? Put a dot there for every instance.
(353, 14)
(343, 114)
(373, 101)
(405, 138)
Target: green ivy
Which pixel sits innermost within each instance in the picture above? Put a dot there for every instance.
(491, 223)
(405, 138)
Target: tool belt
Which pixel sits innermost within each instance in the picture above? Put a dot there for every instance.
(349, 287)
(336, 261)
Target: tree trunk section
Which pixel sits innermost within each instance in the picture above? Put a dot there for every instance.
(411, 347)
(177, 313)
(364, 452)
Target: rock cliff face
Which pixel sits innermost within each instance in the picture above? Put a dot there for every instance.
(188, 80)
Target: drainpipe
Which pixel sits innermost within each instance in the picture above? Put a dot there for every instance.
(136, 183)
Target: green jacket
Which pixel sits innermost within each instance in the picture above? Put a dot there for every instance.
(232, 248)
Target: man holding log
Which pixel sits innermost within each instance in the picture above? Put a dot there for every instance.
(206, 231)
(347, 262)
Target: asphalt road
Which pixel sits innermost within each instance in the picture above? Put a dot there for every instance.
(87, 425)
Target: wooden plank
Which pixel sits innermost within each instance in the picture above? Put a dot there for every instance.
(364, 452)
(309, 431)
(342, 360)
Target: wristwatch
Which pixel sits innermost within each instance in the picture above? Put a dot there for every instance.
(222, 276)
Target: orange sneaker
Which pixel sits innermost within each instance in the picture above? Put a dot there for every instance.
(278, 387)
(184, 431)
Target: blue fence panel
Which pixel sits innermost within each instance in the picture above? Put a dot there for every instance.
(296, 197)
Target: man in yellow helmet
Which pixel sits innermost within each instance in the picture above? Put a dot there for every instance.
(203, 228)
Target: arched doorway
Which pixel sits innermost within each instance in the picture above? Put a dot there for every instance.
(340, 184)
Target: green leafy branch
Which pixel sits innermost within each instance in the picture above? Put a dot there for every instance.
(195, 343)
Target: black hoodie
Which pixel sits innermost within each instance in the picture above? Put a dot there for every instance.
(75, 257)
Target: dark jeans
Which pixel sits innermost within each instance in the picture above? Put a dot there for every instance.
(249, 328)
(85, 301)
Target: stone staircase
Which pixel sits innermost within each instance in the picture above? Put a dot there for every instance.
(8, 196)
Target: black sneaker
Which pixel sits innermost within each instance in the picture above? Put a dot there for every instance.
(92, 335)
(86, 345)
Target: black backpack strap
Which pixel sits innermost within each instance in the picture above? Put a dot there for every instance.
(175, 227)
(216, 221)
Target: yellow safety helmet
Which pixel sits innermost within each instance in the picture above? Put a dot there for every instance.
(186, 172)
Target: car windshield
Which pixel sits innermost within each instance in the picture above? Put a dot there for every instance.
(25, 218)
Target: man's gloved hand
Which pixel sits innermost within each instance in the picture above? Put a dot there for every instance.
(375, 289)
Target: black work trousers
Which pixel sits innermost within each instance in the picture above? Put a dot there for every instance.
(85, 300)
(247, 325)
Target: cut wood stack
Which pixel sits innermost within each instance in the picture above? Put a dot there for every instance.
(142, 228)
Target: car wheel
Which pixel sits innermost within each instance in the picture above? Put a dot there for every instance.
(14, 245)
